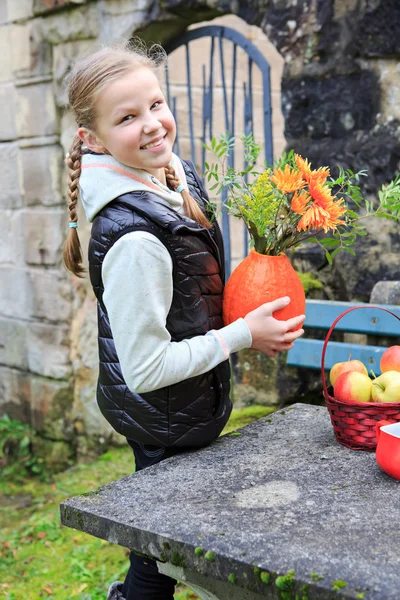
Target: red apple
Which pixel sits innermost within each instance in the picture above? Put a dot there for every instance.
(386, 387)
(342, 367)
(390, 359)
(353, 386)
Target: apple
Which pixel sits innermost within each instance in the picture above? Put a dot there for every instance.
(386, 387)
(390, 359)
(342, 367)
(353, 386)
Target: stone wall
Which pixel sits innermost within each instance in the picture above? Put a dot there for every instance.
(340, 102)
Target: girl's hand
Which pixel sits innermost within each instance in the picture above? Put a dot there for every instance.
(269, 334)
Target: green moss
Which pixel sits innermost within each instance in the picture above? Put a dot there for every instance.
(234, 434)
(309, 282)
(285, 582)
(360, 595)
(245, 416)
(257, 571)
(265, 577)
(209, 556)
(199, 551)
(338, 585)
(166, 546)
(232, 578)
(178, 560)
(316, 577)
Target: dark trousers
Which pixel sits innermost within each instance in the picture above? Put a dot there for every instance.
(143, 581)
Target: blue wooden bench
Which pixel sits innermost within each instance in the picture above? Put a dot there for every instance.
(320, 314)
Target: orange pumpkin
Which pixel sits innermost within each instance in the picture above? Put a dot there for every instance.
(258, 279)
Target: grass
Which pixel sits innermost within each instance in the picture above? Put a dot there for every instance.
(39, 558)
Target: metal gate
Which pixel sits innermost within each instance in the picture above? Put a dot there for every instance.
(217, 35)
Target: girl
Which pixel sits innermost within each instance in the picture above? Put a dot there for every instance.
(156, 266)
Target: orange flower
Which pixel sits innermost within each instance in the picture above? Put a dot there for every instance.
(318, 217)
(288, 180)
(299, 202)
(315, 217)
(310, 175)
(321, 194)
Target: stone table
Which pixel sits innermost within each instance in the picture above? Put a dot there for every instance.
(278, 510)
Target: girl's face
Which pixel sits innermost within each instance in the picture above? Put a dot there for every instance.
(134, 123)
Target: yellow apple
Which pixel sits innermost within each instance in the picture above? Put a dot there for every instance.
(386, 387)
(342, 367)
(353, 386)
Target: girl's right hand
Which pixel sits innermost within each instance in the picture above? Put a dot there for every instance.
(269, 334)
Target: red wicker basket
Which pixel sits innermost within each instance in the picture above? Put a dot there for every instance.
(354, 422)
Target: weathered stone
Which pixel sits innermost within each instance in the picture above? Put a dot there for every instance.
(23, 9)
(50, 295)
(343, 7)
(5, 64)
(48, 6)
(15, 394)
(258, 370)
(8, 130)
(120, 7)
(42, 169)
(388, 71)
(377, 29)
(377, 150)
(79, 23)
(51, 403)
(334, 107)
(247, 395)
(386, 292)
(48, 350)
(282, 498)
(13, 347)
(36, 113)
(15, 299)
(44, 235)
(121, 25)
(10, 189)
(56, 455)
(12, 240)
(63, 57)
(31, 56)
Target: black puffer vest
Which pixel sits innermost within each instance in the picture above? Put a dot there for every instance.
(194, 411)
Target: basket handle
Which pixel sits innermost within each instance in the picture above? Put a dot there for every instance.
(329, 335)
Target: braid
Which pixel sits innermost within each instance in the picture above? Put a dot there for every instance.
(192, 209)
(72, 253)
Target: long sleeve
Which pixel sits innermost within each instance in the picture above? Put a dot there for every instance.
(138, 288)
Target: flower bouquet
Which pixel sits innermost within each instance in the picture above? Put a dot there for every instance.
(283, 206)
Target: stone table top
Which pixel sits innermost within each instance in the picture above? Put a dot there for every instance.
(280, 495)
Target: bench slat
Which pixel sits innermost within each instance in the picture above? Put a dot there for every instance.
(307, 353)
(322, 313)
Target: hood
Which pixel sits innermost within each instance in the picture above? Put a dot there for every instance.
(103, 179)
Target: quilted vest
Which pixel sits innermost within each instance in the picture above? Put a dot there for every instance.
(193, 412)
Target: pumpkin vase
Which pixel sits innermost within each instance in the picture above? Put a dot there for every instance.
(259, 279)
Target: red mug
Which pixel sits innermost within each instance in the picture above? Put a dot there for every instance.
(388, 447)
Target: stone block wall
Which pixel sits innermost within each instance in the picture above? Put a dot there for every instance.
(340, 103)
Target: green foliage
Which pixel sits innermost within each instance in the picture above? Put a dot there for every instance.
(41, 558)
(285, 582)
(17, 459)
(266, 208)
(265, 577)
(309, 282)
(338, 585)
(209, 556)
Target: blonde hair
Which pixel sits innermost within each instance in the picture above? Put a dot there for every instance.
(87, 79)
